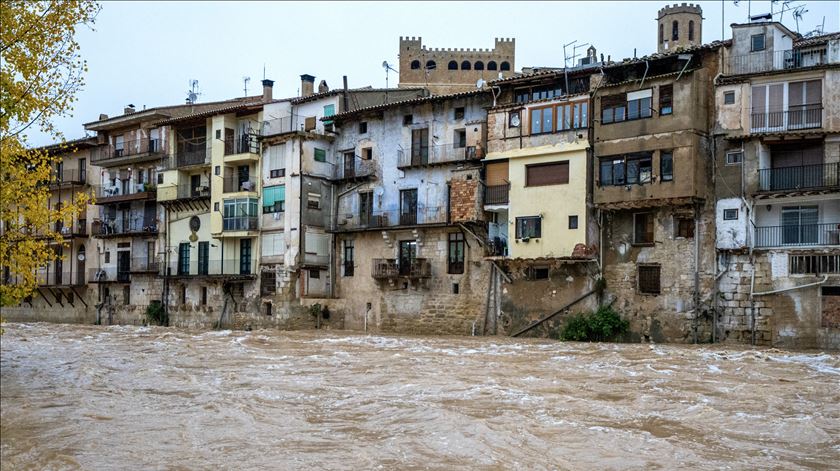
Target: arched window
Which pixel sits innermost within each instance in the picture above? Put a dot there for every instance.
(415, 65)
(691, 30)
(675, 31)
(661, 33)
(430, 65)
(453, 65)
(491, 65)
(466, 65)
(479, 65)
(505, 66)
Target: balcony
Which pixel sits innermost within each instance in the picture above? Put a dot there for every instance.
(803, 177)
(213, 268)
(51, 278)
(239, 223)
(766, 61)
(144, 265)
(131, 227)
(496, 194)
(358, 170)
(76, 229)
(441, 154)
(390, 269)
(286, 124)
(188, 191)
(797, 235)
(125, 191)
(794, 119)
(391, 219)
(109, 275)
(68, 177)
(132, 151)
(236, 184)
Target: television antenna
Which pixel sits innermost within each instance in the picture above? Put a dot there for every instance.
(388, 68)
(193, 93)
(495, 90)
(246, 80)
(566, 60)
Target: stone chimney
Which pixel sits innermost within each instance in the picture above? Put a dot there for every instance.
(103, 116)
(307, 85)
(323, 87)
(267, 87)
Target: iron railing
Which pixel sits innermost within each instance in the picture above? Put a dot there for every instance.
(76, 228)
(234, 184)
(138, 225)
(198, 267)
(239, 223)
(285, 124)
(124, 190)
(393, 217)
(72, 175)
(50, 277)
(109, 275)
(497, 194)
(800, 177)
(358, 169)
(794, 119)
(144, 265)
(798, 235)
(389, 268)
(765, 61)
(242, 143)
(186, 155)
(436, 154)
(130, 148)
(187, 190)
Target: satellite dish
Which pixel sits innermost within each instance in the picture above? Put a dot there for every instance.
(384, 64)
(480, 83)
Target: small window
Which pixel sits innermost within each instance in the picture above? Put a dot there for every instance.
(408, 120)
(675, 31)
(216, 206)
(734, 157)
(537, 273)
(160, 179)
(643, 228)
(268, 307)
(127, 295)
(730, 214)
(314, 274)
(183, 295)
(203, 301)
(459, 112)
(466, 65)
(528, 227)
(107, 257)
(453, 65)
(320, 155)
(415, 65)
(684, 227)
(649, 279)
(363, 127)
(666, 100)
(349, 262)
(666, 164)
(367, 153)
(661, 33)
(218, 170)
(456, 288)
(455, 265)
(728, 98)
(573, 222)
(313, 201)
(757, 42)
(277, 173)
(554, 173)
(691, 30)
(460, 139)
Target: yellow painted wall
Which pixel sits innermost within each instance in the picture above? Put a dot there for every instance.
(555, 202)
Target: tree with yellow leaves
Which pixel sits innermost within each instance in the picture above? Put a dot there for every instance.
(41, 73)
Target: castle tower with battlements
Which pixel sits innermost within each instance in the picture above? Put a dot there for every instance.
(453, 70)
(679, 26)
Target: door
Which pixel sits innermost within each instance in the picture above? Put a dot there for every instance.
(149, 216)
(125, 215)
(419, 146)
(123, 265)
(245, 256)
(408, 254)
(80, 265)
(365, 208)
(59, 265)
(150, 256)
(799, 225)
(195, 182)
(243, 174)
(184, 258)
(82, 170)
(230, 140)
(349, 165)
(408, 207)
(203, 258)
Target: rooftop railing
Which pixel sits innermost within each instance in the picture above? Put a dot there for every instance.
(69, 176)
(766, 61)
(285, 124)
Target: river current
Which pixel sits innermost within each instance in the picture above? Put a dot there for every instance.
(85, 397)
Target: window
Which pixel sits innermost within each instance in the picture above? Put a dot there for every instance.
(675, 31)
(728, 98)
(799, 227)
(639, 104)
(505, 66)
(666, 99)
(419, 146)
(757, 42)
(459, 112)
(455, 264)
(268, 282)
(281, 172)
(314, 274)
(734, 157)
(460, 140)
(127, 295)
(456, 288)
(542, 120)
(313, 201)
(431, 65)
(329, 110)
(466, 65)
(349, 263)
(275, 161)
(203, 300)
(453, 65)
(363, 127)
(815, 265)
(107, 257)
(573, 222)
(272, 244)
(572, 116)
(643, 228)
(684, 227)
(274, 199)
(613, 108)
(160, 178)
(408, 120)
(528, 227)
(492, 65)
(536, 273)
(320, 155)
(119, 145)
(661, 33)
(478, 65)
(630, 169)
(691, 30)
(554, 173)
(268, 308)
(365, 207)
(240, 214)
(415, 65)
(666, 166)
(367, 153)
(216, 206)
(649, 279)
(184, 258)
(730, 214)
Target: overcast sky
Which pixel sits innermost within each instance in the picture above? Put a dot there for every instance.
(145, 53)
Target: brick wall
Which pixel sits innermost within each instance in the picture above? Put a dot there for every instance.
(464, 200)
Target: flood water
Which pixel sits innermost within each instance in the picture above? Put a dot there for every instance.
(152, 398)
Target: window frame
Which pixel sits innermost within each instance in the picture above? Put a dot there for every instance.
(520, 225)
(349, 248)
(528, 167)
(729, 93)
(740, 161)
(573, 221)
(455, 261)
(663, 176)
(645, 290)
(684, 227)
(541, 109)
(666, 99)
(729, 211)
(651, 232)
(316, 151)
(763, 37)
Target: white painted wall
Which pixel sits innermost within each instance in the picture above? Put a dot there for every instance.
(731, 234)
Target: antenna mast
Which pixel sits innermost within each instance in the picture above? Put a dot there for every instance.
(246, 80)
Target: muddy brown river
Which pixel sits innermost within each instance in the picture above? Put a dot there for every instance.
(84, 397)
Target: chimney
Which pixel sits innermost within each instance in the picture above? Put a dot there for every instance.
(103, 116)
(323, 87)
(307, 84)
(267, 86)
(128, 109)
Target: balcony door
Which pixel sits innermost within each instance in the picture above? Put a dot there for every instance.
(123, 265)
(244, 256)
(365, 208)
(408, 207)
(805, 104)
(203, 258)
(408, 255)
(80, 265)
(195, 182)
(349, 165)
(419, 146)
(184, 258)
(243, 175)
(768, 106)
(796, 167)
(800, 225)
(59, 265)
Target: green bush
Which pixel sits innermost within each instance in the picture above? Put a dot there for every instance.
(155, 314)
(602, 325)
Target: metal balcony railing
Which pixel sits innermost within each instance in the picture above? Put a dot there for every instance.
(239, 223)
(798, 235)
(131, 226)
(198, 267)
(497, 194)
(187, 190)
(130, 148)
(234, 184)
(144, 265)
(285, 124)
(77, 228)
(65, 277)
(390, 268)
(794, 119)
(72, 175)
(124, 190)
(242, 143)
(393, 217)
(765, 61)
(109, 274)
(801, 177)
(436, 154)
(187, 154)
(359, 168)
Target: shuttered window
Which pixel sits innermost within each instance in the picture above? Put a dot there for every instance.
(666, 99)
(497, 174)
(274, 199)
(555, 173)
(273, 244)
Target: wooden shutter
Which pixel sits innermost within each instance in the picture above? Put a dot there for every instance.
(554, 173)
(497, 173)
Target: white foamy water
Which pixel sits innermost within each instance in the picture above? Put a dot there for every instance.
(84, 397)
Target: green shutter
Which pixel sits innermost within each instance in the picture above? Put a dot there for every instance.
(320, 155)
(329, 110)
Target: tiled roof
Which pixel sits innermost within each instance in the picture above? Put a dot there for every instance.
(174, 111)
(337, 91)
(347, 114)
(656, 56)
(816, 40)
(207, 111)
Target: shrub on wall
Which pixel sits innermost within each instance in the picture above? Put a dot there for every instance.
(602, 325)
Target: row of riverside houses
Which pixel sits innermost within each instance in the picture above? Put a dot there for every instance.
(696, 190)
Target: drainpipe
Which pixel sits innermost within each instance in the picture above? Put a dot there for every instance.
(333, 217)
(696, 269)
